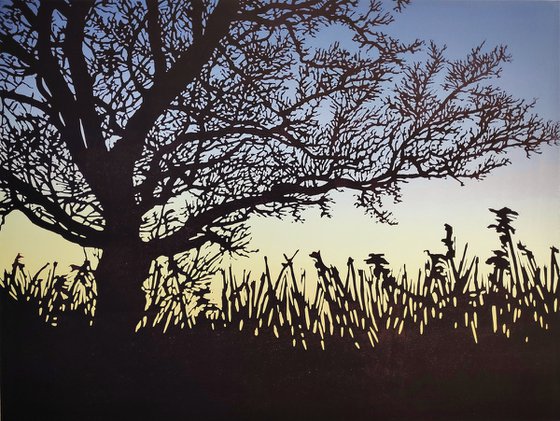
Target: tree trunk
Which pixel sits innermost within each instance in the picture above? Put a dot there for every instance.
(120, 300)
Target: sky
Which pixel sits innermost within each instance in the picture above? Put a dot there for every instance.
(531, 30)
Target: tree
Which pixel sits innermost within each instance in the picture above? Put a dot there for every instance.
(152, 128)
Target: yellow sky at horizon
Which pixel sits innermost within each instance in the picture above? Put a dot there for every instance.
(427, 204)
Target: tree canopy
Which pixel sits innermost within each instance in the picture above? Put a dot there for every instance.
(174, 122)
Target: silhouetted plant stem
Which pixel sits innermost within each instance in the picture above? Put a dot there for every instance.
(554, 269)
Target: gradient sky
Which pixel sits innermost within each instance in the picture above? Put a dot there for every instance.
(531, 29)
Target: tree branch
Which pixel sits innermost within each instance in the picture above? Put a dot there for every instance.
(279, 193)
(173, 82)
(155, 34)
(72, 228)
(81, 79)
(89, 162)
(24, 99)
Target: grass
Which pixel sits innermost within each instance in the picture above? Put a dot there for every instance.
(56, 294)
(363, 305)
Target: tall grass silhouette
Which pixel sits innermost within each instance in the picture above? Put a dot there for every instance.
(364, 304)
(56, 294)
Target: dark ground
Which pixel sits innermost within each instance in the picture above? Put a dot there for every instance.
(70, 374)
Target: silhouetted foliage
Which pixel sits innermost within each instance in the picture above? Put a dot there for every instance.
(312, 311)
(56, 295)
(150, 129)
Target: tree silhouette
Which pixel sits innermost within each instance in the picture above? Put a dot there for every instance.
(148, 129)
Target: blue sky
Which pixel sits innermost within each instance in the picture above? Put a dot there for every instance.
(530, 29)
